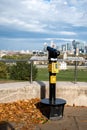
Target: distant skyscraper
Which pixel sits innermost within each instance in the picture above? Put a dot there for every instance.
(64, 48)
(58, 48)
(74, 44)
(86, 49)
(68, 46)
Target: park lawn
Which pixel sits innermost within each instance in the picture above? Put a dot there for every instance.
(63, 75)
(43, 74)
(82, 75)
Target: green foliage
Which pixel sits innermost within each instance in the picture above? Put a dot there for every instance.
(22, 71)
(3, 70)
(17, 56)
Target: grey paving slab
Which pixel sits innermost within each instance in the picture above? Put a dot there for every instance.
(61, 124)
(75, 118)
(76, 111)
(82, 122)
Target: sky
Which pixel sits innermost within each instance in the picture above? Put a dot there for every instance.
(28, 24)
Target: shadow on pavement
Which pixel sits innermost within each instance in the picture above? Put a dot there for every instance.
(6, 126)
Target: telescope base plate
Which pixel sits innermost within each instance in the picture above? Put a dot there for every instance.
(54, 108)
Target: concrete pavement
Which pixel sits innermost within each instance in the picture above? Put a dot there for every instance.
(75, 118)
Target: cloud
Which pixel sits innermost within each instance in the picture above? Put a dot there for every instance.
(67, 33)
(54, 18)
(32, 13)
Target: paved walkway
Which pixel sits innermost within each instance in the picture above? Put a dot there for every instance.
(75, 118)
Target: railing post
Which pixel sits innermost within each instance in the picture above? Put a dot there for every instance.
(75, 76)
(31, 79)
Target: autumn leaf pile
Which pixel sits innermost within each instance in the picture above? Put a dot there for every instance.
(23, 115)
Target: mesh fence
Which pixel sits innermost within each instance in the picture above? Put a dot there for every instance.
(71, 73)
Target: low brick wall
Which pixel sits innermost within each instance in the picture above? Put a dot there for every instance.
(74, 94)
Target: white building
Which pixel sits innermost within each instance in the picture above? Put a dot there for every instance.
(62, 65)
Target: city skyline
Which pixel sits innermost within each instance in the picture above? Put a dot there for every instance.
(28, 24)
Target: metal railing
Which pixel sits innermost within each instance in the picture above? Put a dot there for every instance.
(31, 61)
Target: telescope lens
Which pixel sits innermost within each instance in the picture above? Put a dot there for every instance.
(53, 53)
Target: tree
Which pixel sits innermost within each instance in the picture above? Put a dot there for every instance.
(3, 70)
(21, 71)
(17, 56)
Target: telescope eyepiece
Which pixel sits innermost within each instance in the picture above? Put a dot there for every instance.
(53, 53)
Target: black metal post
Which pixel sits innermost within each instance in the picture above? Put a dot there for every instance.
(76, 53)
(56, 105)
(31, 72)
(52, 93)
(75, 76)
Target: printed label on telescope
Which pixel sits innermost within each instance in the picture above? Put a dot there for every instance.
(52, 79)
(55, 67)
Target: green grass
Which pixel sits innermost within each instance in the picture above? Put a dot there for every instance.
(43, 74)
(82, 75)
(63, 75)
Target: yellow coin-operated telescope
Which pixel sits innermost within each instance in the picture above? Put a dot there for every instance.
(56, 104)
